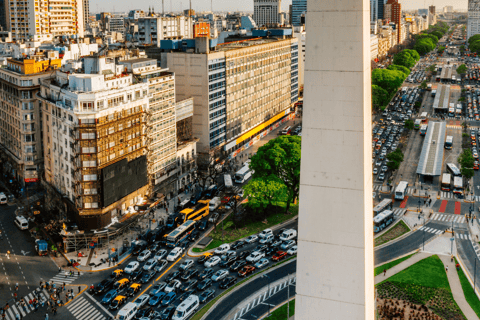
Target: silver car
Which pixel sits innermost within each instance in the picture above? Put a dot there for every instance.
(219, 275)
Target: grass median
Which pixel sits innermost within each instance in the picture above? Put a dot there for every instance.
(207, 307)
(230, 233)
(281, 312)
(470, 295)
(391, 264)
(394, 232)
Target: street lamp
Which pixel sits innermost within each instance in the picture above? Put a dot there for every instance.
(266, 276)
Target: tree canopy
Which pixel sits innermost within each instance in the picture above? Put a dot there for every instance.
(263, 193)
(473, 39)
(279, 160)
(403, 69)
(466, 161)
(406, 58)
(424, 45)
(395, 158)
(462, 69)
(389, 80)
(380, 97)
(409, 124)
(441, 49)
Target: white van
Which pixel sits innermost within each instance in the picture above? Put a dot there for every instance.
(127, 312)
(214, 203)
(288, 234)
(285, 130)
(3, 198)
(21, 222)
(186, 308)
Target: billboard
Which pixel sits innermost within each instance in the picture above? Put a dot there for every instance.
(122, 178)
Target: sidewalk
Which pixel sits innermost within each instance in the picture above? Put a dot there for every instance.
(452, 276)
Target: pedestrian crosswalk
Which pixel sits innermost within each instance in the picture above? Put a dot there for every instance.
(462, 236)
(446, 195)
(15, 309)
(82, 309)
(399, 212)
(378, 187)
(430, 230)
(448, 217)
(453, 126)
(65, 277)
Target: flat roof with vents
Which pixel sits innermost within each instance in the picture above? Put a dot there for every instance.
(431, 158)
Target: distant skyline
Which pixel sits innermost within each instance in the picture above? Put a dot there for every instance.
(236, 5)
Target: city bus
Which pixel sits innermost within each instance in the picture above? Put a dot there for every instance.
(180, 233)
(423, 117)
(453, 169)
(196, 213)
(382, 220)
(401, 190)
(228, 181)
(417, 124)
(449, 142)
(243, 174)
(451, 112)
(446, 181)
(385, 204)
(423, 129)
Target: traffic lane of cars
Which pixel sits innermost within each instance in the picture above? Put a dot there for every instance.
(176, 269)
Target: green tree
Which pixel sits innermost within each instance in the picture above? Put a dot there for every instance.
(279, 159)
(441, 49)
(466, 161)
(395, 158)
(406, 58)
(402, 69)
(462, 49)
(409, 124)
(461, 99)
(380, 97)
(473, 39)
(424, 45)
(462, 69)
(423, 85)
(432, 68)
(389, 80)
(437, 34)
(263, 193)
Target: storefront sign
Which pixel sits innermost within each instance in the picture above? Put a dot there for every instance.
(31, 180)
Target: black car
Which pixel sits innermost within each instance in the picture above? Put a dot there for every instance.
(228, 261)
(194, 199)
(138, 249)
(261, 248)
(270, 251)
(136, 275)
(148, 276)
(186, 294)
(204, 284)
(103, 286)
(237, 245)
(203, 224)
(206, 295)
(184, 244)
(227, 282)
(207, 273)
(167, 313)
(189, 285)
(172, 276)
(238, 265)
(193, 236)
(189, 274)
(144, 313)
(243, 255)
(203, 258)
(154, 247)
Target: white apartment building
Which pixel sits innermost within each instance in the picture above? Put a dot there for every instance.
(267, 12)
(300, 33)
(373, 46)
(473, 23)
(43, 20)
(152, 30)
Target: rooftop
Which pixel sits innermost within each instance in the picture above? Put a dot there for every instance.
(245, 43)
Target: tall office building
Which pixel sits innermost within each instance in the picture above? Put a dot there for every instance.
(240, 89)
(86, 12)
(43, 20)
(3, 15)
(473, 24)
(267, 12)
(431, 9)
(393, 13)
(299, 7)
(377, 8)
(151, 30)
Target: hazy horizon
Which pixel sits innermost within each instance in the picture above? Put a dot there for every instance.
(97, 6)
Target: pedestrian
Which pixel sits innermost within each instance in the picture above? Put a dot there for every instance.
(17, 316)
(451, 258)
(15, 296)
(46, 316)
(36, 307)
(79, 289)
(55, 311)
(78, 273)
(446, 269)
(384, 272)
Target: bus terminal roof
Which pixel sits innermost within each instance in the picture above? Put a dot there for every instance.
(431, 158)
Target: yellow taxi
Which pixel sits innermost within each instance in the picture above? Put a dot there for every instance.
(134, 288)
(117, 273)
(120, 284)
(117, 302)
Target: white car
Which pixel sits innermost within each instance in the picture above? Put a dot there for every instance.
(150, 264)
(265, 233)
(213, 261)
(292, 250)
(255, 256)
(287, 244)
(140, 301)
(222, 249)
(173, 286)
(174, 254)
(262, 263)
(160, 254)
(160, 265)
(187, 264)
(144, 255)
(132, 266)
(251, 239)
(219, 275)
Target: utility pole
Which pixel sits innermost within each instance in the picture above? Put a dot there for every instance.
(163, 8)
(288, 296)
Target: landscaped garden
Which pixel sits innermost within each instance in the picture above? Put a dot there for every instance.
(391, 264)
(394, 232)
(421, 291)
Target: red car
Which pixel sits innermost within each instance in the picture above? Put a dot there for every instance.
(475, 165)
(246, 270)
(279, 255)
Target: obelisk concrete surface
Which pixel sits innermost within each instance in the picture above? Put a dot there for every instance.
(335, 255)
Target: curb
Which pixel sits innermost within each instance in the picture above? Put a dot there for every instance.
(238, 287)
(199, 254)
(467, 274)
(78, 294)
(92, 271)
(396, 239)
(400, 257)
(276, 307)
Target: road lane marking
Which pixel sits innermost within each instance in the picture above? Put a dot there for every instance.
(443, 206)
(106, 311)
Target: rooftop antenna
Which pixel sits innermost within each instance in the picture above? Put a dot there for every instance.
(190, 11)
(211, 5)
(163, 7)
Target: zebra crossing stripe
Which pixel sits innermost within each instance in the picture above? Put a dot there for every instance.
(421, 228)
(439, 231)
(469, 237)
(78, 307)
(87, 312)
(435, 216)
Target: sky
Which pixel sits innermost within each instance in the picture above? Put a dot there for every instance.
(235, 5)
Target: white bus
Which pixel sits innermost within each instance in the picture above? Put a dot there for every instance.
(449, 142)
(453, 169)
(451, 112)
(386, 204)
(243, 174)
(383, 220)
(401, 190)
(228, 181)
(423, 129)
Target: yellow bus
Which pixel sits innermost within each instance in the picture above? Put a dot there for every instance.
(198, 212)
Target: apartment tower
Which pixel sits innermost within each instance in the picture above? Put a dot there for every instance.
(267, 12)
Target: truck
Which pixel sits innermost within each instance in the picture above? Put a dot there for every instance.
(41, 246)
(215, 203)
(434, 92)
(457, 185)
